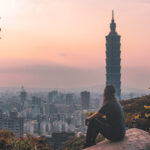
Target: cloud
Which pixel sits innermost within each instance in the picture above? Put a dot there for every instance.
(63, 54)
(144, 1)
(140, 1)
(59, 76)
(51, 76)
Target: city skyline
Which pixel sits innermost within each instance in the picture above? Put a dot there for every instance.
(58, 44)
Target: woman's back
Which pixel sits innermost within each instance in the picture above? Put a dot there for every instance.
(113, 127)
(114, 115)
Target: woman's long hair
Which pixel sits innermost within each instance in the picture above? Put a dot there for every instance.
(109, 94)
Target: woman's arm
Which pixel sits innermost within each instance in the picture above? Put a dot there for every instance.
(97, 114)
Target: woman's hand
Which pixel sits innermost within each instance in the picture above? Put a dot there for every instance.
(86, 121)
(97, 114)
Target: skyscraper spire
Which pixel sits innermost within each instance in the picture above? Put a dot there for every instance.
(113, 24)
(112, 14)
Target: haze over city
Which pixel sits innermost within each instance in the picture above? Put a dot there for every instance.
(61, 43)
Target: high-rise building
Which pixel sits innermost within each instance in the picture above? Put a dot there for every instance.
(85, 99)
(52, 96)
(36, 100)
(23, 95)
(69, 98)
(113, 60)
(1, 119)
(12, 123)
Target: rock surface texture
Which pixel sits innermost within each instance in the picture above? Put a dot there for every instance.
(135, 139)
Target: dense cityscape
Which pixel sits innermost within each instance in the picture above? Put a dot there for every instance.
(42, 113)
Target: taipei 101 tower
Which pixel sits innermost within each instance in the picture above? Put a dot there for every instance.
(113, 60)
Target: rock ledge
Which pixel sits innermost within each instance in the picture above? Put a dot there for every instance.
(135, 139)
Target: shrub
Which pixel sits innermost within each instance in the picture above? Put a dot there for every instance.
(8, 141)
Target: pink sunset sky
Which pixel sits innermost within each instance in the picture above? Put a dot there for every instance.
(61, 43)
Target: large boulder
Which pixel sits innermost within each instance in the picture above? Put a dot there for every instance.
(135, 139)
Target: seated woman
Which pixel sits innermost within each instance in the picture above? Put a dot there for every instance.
(113, 127)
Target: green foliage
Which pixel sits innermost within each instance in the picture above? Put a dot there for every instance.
(74, 143)
(8, 141)
(137, 112)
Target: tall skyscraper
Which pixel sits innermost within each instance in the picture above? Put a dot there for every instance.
(1, 119)
(113, 60)
(69, 98)
(23, 96)
(52, 96)
(85, 99)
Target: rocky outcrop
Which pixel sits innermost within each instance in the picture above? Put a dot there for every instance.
(135, 139)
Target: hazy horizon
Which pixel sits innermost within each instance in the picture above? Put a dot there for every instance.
(61, 43)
